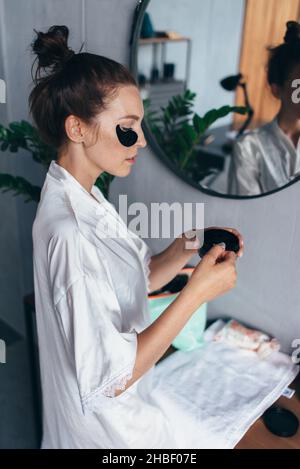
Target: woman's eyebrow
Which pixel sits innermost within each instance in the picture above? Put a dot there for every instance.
(130, 116)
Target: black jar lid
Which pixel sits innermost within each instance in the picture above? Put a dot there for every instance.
(280, 421)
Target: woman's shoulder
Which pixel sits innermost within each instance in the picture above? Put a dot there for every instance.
(255, 135)
(54, 217)
(252, 143)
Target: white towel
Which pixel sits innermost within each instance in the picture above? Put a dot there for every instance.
(218, 391)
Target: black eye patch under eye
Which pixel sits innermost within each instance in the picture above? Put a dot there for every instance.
(126, 138)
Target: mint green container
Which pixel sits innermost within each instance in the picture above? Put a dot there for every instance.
(191, 336)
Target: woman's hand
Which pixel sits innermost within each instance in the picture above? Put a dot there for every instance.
(167, 264)
(188, 245)
(235, 232)
(214, 275)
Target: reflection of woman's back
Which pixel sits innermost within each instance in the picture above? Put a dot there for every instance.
(267, 158)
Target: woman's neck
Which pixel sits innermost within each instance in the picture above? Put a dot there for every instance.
(83, 173)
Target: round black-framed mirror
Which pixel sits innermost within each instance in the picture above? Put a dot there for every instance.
(138, 23)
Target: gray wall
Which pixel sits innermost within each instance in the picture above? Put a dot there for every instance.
(11, 282)
(267, 291)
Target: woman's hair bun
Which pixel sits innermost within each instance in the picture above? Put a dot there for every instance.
(52, 48)
(292, 34)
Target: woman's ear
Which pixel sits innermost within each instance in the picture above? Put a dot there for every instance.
(75, 129)
(276, 90)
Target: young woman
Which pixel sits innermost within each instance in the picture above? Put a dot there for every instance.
(97, 345)
(267, 158)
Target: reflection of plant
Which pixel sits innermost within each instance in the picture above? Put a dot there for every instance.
(178, 133)
(23, 136)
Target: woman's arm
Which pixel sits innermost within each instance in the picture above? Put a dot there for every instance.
(209, 279)
(167, 264)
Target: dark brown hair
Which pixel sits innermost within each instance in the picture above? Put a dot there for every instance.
(284, 57)
(68, 83)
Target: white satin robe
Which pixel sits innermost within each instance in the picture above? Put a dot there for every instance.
(91, 301)
(262, 160)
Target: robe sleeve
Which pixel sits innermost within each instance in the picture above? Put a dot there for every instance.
(103, 355)
(145, 253)
(243, 177)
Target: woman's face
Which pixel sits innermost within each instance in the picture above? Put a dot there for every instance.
(108, 153)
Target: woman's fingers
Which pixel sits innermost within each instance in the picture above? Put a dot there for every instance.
(214, 254)
(236, 233)
(241, 241)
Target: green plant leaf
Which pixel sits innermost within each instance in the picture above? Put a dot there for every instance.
(189, 134)
(19, 186)
(212, 116)
(199, 124)
(178, 129)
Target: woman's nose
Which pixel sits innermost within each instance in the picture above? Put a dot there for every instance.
(141, 140)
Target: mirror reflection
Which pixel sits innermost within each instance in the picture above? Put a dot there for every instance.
(220, 83)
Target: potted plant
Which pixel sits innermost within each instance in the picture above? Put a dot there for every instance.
(179, 131)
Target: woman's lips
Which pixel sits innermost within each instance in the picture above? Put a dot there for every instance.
(131, 160)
